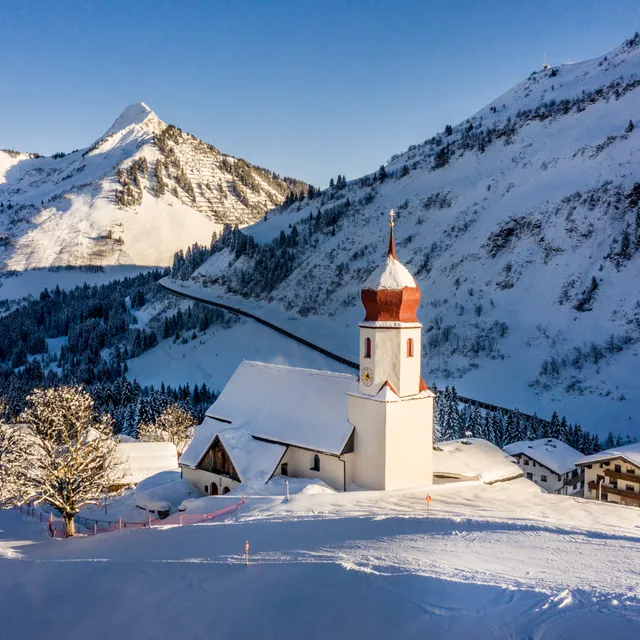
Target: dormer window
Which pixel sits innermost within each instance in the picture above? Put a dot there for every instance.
(367, 347)
(410, 348)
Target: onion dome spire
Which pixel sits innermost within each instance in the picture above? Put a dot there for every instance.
(391, 294)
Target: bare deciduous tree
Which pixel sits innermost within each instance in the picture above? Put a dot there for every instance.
(67, 453)
(174, 424)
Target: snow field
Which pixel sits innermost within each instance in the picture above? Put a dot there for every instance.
(490, 562)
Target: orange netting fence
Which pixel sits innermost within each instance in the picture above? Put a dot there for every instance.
(93, 527)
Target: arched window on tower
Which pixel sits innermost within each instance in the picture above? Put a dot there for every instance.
(410, 348)
(367, 347)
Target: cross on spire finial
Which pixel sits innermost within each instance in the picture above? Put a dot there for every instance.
(392, 247)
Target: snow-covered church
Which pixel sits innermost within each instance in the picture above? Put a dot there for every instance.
(372, 431)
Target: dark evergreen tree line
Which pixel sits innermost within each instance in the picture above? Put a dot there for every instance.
(453, 420)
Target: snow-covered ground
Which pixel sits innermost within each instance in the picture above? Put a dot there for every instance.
(216, 354)
(499, 561)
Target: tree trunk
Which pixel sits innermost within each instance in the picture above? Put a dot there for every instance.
(69, 525)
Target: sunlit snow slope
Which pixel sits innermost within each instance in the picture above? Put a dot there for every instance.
(88, 207)
(513, 223)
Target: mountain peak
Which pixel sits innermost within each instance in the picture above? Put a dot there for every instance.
(135, 113)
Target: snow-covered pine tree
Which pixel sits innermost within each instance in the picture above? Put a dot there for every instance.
(509, 429)
(69, 453)
(450, 415)
(498, 429)
(554, 426)
(563, 430)
(438, 416)
(475, 423)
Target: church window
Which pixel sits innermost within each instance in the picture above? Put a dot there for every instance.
(315, 461)
(225, 490)
(410, 348)
(367, 347)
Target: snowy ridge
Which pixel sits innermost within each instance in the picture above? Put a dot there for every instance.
(134, 114)
(520, 229)
(142, 191)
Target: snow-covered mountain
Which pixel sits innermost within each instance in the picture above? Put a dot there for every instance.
(521, 225)
(143, 190)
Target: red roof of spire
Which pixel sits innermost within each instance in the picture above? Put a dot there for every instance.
(391, 294)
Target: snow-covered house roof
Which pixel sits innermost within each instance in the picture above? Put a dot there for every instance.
(551, 453)
(144, 459)
(630, 452)
(473, 459)
(265, 407)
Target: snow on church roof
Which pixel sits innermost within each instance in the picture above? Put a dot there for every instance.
(254, 460)
(286, 405)
(554, 454)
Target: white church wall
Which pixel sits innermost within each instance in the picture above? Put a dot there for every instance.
(203, 480)
(300, 463)
(409, 443)
(368, 416)
(389, 360)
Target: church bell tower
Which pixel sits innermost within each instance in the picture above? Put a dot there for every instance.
(393, 409)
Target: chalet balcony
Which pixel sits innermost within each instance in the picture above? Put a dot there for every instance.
(617, 475)
(572, 482)
(629, 496)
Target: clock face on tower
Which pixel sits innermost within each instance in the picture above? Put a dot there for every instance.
(366, 375)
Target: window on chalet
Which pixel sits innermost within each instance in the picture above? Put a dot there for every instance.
(631, 470)
(367, 347)
(630, 487)
(606, 463)
(526, 462)
(529, 476)
(284, 469)
(315, 463)
(574, 474)
(410, 348)
(543, 478)
(225, 490)
(618, 468)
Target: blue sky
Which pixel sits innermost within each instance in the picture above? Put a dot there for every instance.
(308, 88)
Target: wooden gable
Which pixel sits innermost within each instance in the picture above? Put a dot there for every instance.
(217, 460)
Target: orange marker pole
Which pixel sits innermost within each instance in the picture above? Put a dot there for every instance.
(428, 501)
(246, 553)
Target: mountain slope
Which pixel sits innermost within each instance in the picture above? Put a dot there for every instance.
(143, 190)
(521, 229)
